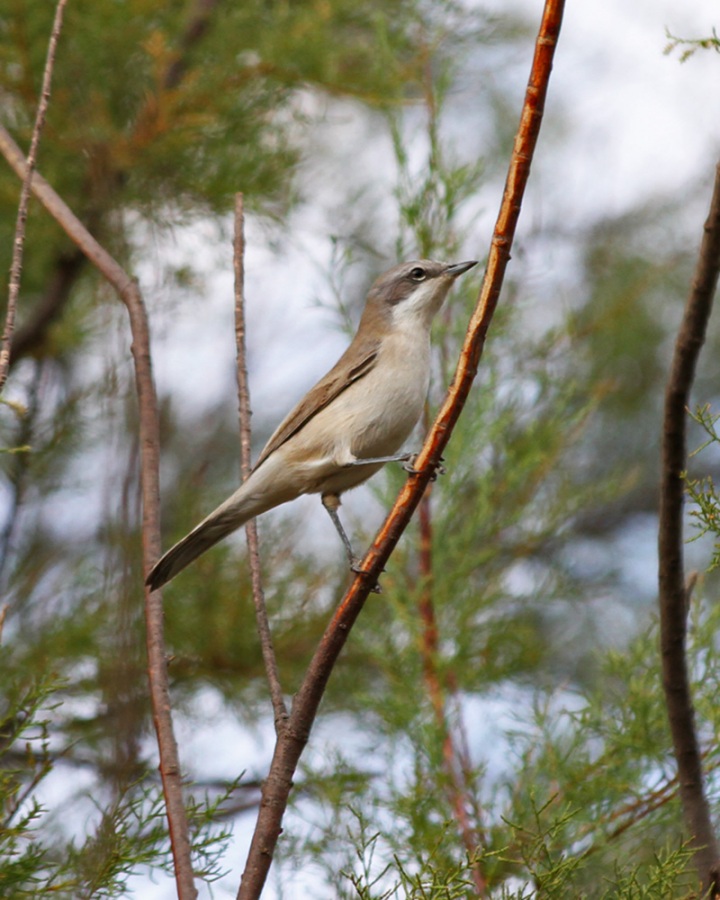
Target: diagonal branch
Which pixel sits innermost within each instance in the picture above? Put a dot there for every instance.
(129, 292)
(294, 736)
(19, 241)
(263, 625)
(672, 589)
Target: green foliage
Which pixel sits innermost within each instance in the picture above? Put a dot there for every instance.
(156, 115)
(702, 491)
(426, 879)
(692, 45)
(130, 833)
(586, 806)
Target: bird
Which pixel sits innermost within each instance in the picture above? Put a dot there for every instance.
(351, 423)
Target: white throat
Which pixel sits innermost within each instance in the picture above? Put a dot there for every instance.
(418, 310)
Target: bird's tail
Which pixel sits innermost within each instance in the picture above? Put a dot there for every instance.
(251, 499)
(201, 538)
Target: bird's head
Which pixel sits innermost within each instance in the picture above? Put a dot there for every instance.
(412, 292)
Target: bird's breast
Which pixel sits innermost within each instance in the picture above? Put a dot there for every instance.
(372, 417)
(385, 406)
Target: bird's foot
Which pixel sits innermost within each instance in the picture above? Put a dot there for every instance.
(355, 566)
(410, 467)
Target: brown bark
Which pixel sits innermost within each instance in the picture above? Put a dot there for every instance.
(129, 293)
(19, 240)
(671, 574)
(261, 617)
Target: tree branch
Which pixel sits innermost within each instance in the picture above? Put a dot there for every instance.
(671, 576)
(455, 762)
(29, 336)
(263, 626)
(130, 295)
(19, 241)
(294, 736)
(456, 769)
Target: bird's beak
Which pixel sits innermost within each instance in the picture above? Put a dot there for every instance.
(458, 268)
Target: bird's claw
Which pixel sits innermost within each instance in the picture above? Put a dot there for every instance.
(358, 570)
(439, 468)
(409, 466)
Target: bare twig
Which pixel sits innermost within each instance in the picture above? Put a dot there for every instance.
(31, 334)
(294, 736)
(673, 592)
(437, 687)
(17, 467)
(130, 295)
(19, 241)
(263, 626)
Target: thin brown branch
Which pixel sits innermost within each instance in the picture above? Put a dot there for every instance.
(19, 240)
(437, 689)
(31, 335)
(293, 738)
(671, 575)
(261, 616)
(17, 467)
(130, 295)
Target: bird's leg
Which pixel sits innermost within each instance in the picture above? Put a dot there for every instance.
(331, 502)
(407, 458)
(399, 457)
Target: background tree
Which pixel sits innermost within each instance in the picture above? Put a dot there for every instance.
(159, 124)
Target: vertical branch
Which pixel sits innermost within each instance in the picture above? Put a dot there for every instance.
(19, 240)
(170, 771)
(453, 762)
(671, 577)
(293, 738)
(18, 465)
(130, 295)
(437, 687)
(263, 625)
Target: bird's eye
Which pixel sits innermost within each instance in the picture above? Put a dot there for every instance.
(418, 274)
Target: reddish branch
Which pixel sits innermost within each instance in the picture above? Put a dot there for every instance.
(19, 241)
(130, 295)
(294, 736)
(261, 617)
(672, 588)
(455, 761)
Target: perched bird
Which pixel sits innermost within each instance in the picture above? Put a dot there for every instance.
(351, 423)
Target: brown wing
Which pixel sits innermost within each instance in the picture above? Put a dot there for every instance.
(345, 372)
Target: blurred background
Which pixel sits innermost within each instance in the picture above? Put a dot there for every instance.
(358, 137)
